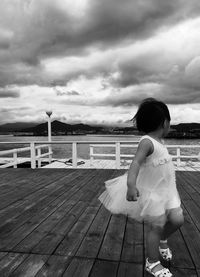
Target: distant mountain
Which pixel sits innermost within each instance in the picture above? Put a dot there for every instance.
(42, 128)
(16, 126)
(58, 127)
(186, 127)
(85, 127)
(185, 131)
(182, 130)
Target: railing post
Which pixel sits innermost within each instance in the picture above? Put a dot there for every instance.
(50, 155)
(117, 154)
(39, 159)
(15, 159)
(178, 156)
(33, 160)
(74, 154)
(91, 155)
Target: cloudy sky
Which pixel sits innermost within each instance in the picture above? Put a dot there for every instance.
(93, 61)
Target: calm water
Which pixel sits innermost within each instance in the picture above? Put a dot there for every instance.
(65, 151)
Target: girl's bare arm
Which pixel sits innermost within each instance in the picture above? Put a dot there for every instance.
(145, 148)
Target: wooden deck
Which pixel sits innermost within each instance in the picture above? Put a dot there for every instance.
(52, 224)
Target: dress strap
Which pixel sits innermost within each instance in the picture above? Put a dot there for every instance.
(146, 137)
(152, 140)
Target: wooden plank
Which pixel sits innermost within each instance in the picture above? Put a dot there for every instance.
(192, 238)
(181, 255)
(51, 191)
(92, 241)
(79, 267)
(10, 262)
(133, 242)
(184, 196)
(72, 240)
(54, 266)
(187, 187)
(189, 177)
(20, 233)
(26, 182)
(49, 243)
(22, 175)
(28, 213)
(16, 173)
(194, 212)
(130, 269)
(2, 254)
(51, 240)
(69, 201)
(35, 180)
(89, 230)
(34, 237)
(183, 272)
(112, 244)
(104, 268)
(192, 179)
(20, 193)
(28, 204)
(30, 266)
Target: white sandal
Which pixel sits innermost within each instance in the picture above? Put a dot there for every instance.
(160, 273)
(165, 253)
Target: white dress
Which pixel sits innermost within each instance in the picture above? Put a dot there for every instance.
(156, 184)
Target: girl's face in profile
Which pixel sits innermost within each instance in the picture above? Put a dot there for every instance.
(166, 127)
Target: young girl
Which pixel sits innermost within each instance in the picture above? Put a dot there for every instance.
(147, 192)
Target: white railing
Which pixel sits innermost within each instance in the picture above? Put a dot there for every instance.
(36, 146)
(35, 153)
(74, 150)
(118, 154)
(178, 155)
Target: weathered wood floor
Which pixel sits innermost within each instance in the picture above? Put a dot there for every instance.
(52, 224)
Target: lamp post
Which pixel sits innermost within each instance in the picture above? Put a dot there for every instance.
(49, 113)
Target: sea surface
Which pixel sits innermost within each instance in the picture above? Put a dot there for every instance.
(65, 151)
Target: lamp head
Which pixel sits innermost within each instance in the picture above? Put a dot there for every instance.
(49, 113)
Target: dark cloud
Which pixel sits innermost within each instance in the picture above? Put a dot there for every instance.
(5, 93)
(13, 109)
(167, 94)
(4, 45)
(54, 32)
(41, 30)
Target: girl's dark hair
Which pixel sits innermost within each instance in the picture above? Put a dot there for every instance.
(151, 115)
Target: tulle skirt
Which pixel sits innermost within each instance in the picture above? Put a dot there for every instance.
(151, 206)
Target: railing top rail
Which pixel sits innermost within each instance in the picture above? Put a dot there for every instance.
(16, 150)
(41, 146)
(67, 142)
(183, 146)
(91, 142)
(20, 150)
(95, 143)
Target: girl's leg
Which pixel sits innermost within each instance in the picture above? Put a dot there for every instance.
(174, 222)
(153, 241)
